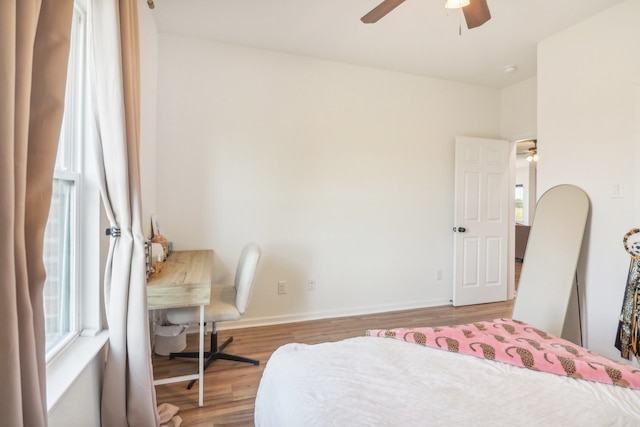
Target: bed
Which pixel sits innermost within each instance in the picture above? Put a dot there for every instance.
(393, 378)
(504, 372)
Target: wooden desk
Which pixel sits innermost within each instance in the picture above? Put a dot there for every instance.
(184, 280)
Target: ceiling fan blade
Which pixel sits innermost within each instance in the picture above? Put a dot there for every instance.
(476, 13)
(380, 11)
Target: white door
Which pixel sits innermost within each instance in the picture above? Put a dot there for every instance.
(481, 226)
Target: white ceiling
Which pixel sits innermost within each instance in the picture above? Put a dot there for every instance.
(418, 37)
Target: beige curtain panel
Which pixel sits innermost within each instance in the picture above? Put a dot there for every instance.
(34, 50)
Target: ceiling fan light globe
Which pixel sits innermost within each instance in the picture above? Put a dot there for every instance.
(456, 4)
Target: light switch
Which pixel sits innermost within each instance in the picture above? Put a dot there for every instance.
(616, 191)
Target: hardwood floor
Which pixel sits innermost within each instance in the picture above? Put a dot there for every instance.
(230, 387)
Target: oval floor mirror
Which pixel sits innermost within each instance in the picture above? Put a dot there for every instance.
(551, 258)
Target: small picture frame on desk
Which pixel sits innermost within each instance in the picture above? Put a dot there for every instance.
(155, 225)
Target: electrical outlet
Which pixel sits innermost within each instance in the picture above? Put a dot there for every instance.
(282, 287)
(311, 285)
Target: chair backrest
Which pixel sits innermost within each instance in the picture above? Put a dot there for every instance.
(245, 273)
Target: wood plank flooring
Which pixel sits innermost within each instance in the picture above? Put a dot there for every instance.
(230, 387)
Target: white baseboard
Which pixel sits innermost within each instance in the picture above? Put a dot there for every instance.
(250, 322)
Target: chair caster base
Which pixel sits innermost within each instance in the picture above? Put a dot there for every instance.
(210, 356)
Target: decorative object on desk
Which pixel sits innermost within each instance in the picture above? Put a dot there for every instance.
(159, 238)
(159, 264)
(628, 334)
(155, 225)
(163, 241)
(227, 303)
(147, 258)
(157, 250)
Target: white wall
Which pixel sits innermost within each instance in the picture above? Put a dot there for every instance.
(589, 136)
(518, 118)
(80, 405)
(343, 174)
(148, 112)
(518, 121)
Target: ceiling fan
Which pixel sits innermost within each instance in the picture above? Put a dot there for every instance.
(476, 12)
(527, 149)
(533, 152)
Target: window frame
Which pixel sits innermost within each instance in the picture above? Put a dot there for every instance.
(519, 188)
(73, 287)
(80, 349)
(73, 165)
(69, 168)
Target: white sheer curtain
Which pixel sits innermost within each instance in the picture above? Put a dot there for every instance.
(128, 393)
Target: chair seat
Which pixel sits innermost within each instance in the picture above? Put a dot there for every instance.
(222, 308)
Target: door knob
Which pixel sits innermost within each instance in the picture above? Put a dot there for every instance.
(460, 229)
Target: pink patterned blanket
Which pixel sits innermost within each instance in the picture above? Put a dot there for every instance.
(517, 343)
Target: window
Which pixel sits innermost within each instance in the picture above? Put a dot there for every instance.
(75, 244)
(61, 238)
(519, 202)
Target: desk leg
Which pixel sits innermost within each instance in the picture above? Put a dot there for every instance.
(201, 360)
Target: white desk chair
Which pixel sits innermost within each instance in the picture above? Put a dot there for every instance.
(227, 303)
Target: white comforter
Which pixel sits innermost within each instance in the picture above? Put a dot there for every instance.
(368, 381)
